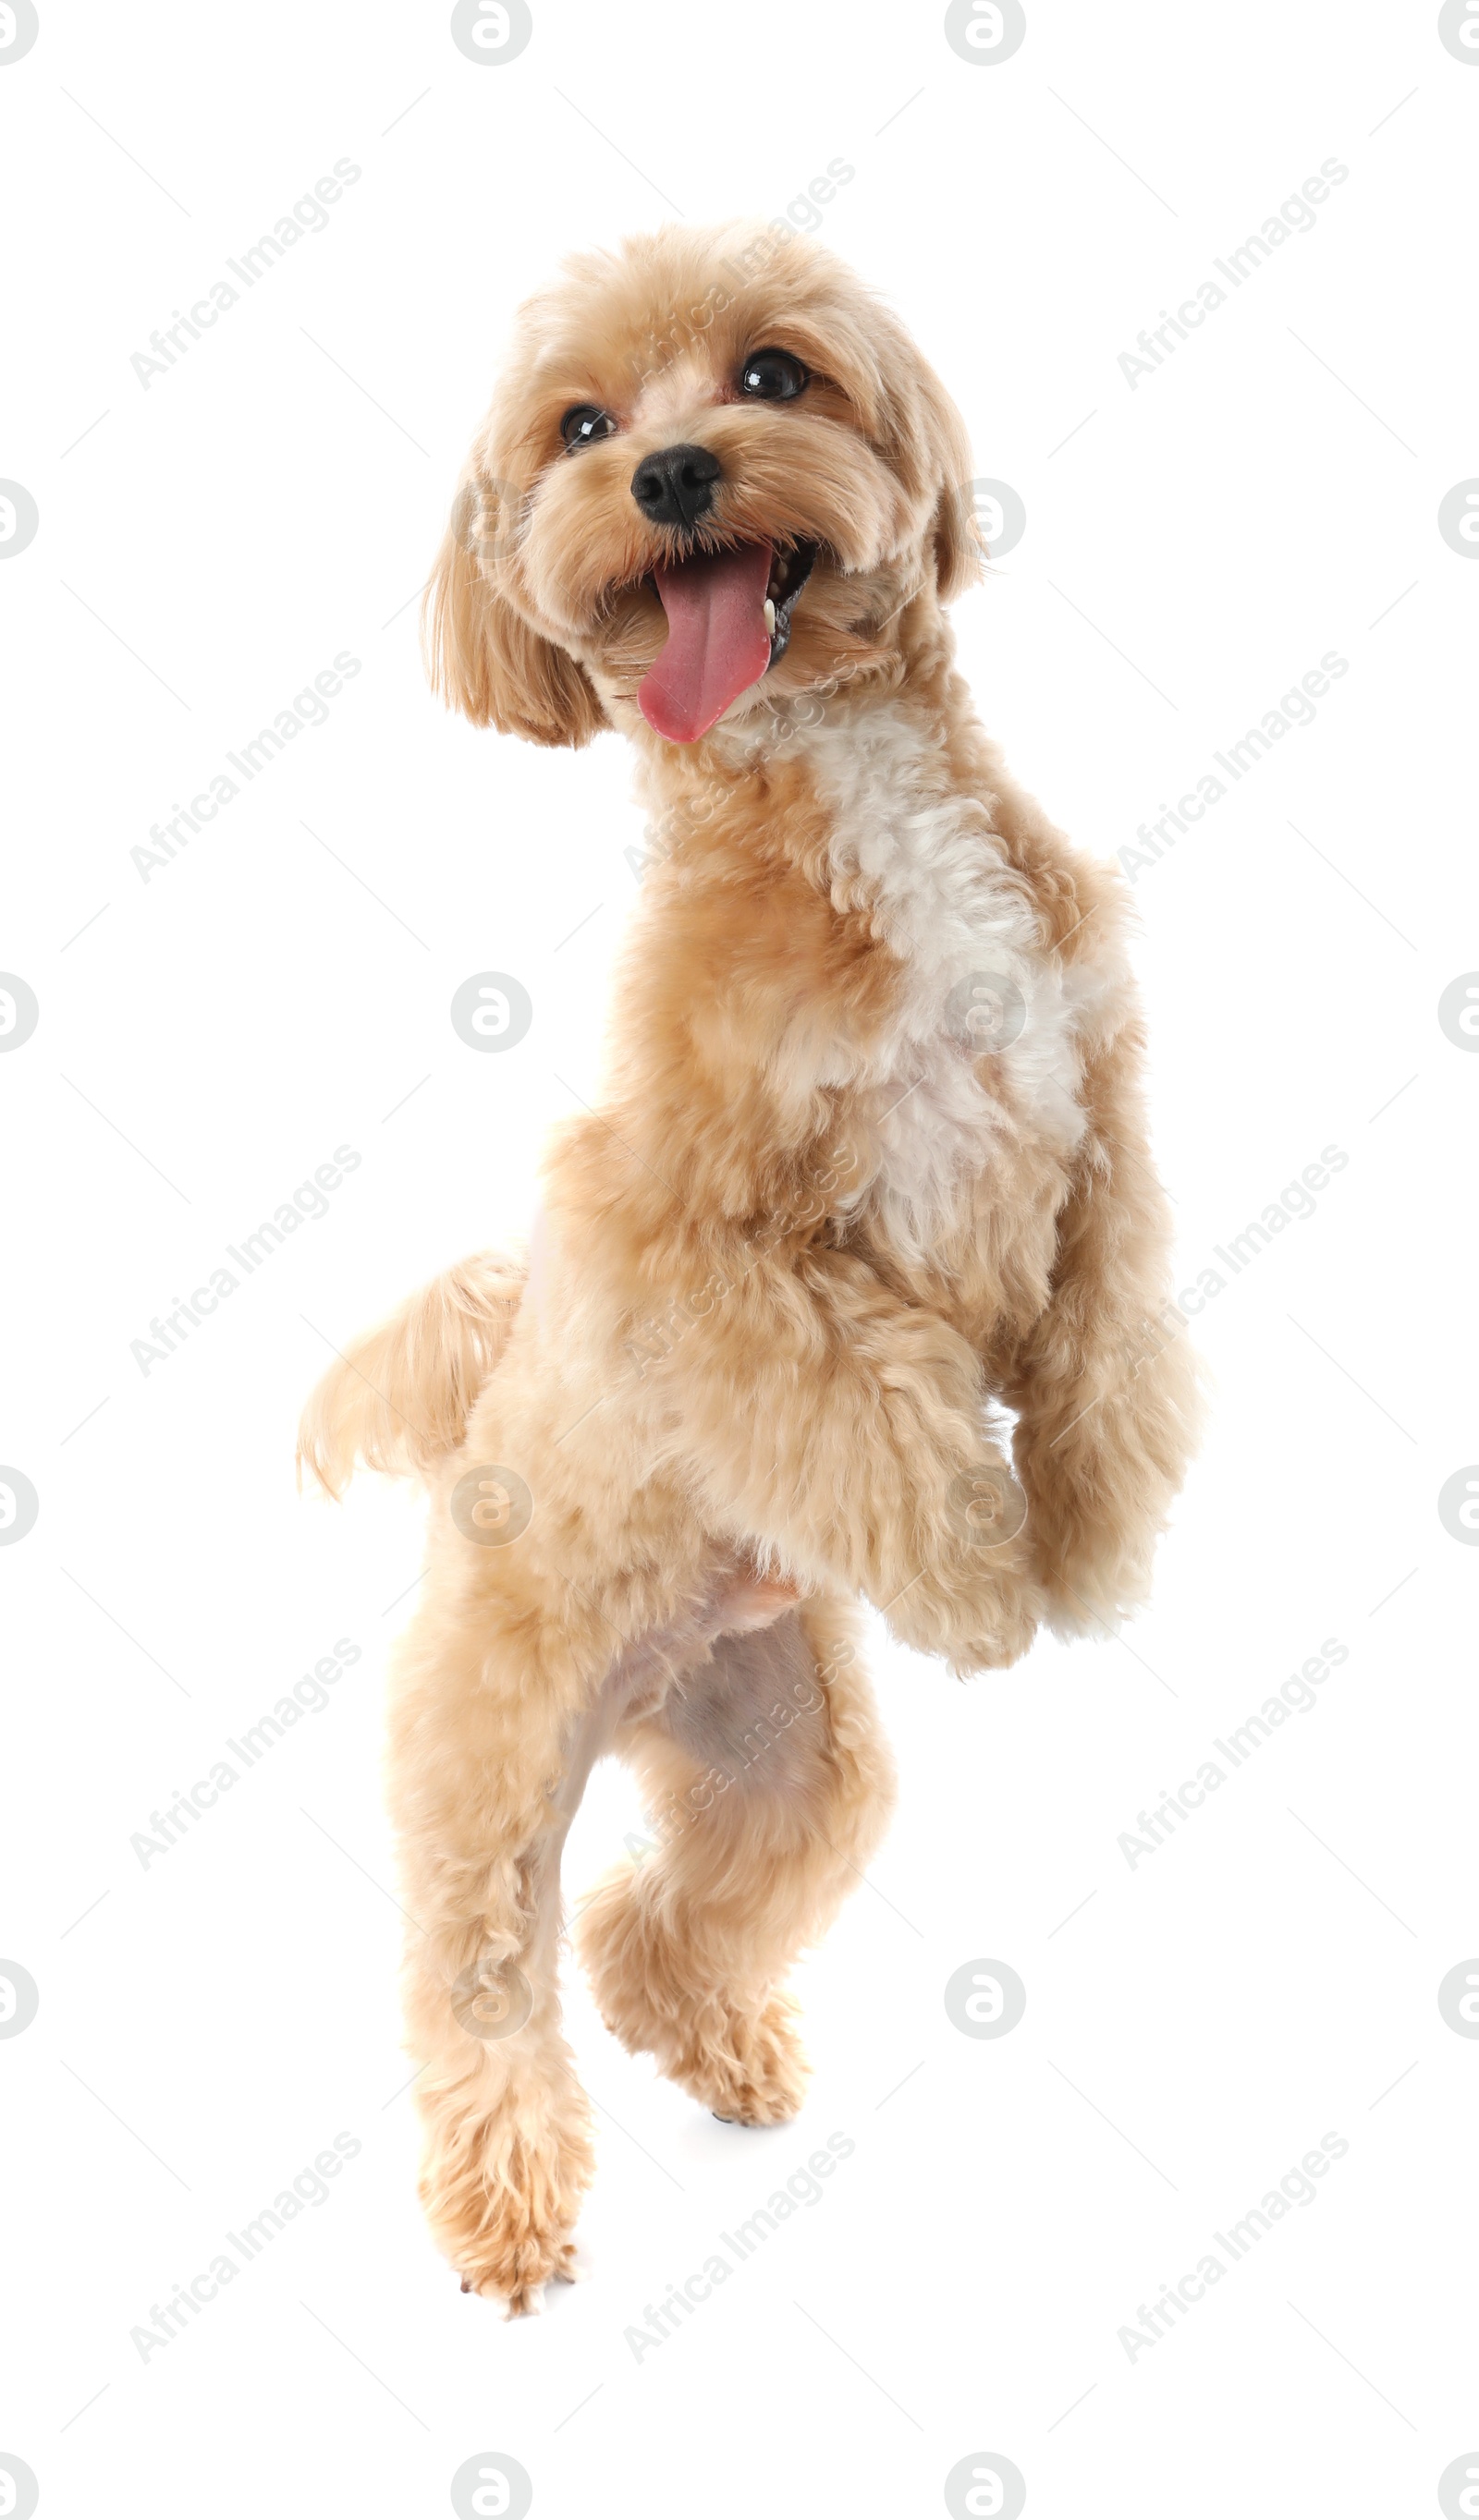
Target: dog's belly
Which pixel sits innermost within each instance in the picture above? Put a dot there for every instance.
(702, 1673)
(753, 1715)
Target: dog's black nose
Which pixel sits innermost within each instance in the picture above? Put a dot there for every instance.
(676, 486)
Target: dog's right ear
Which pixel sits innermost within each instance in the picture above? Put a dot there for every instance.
(483, 657)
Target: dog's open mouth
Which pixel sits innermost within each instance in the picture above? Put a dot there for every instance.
(729, 622)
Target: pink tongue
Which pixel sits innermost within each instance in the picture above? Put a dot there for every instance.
(717, 643)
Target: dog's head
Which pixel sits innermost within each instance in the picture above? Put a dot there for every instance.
(717, 469)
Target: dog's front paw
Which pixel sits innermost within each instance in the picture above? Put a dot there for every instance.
(1089, 1589)
(997, 1651)
(1011, 1622)
(979, 1616)
(973, 1596)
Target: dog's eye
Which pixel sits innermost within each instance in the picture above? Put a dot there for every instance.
(772, 376)
(585, 424)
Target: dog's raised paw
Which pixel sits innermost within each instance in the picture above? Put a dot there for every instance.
(756, 2074)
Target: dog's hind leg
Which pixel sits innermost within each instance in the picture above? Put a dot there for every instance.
(487, 1767)
(500, 1707)
(769, 1788)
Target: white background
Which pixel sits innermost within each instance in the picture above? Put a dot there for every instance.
(208, 1038)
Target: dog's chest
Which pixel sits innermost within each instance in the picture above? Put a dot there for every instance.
(920, 863)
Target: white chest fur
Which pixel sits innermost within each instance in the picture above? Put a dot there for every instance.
(922, 863)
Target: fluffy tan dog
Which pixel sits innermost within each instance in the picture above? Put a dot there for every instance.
(867, 1203)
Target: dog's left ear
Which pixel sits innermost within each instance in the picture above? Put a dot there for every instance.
(959, 552)
(482, 654)
(924, 439)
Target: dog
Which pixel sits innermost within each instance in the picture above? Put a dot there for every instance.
(856, 1283)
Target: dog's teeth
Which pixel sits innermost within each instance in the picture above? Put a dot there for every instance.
(770, 616)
